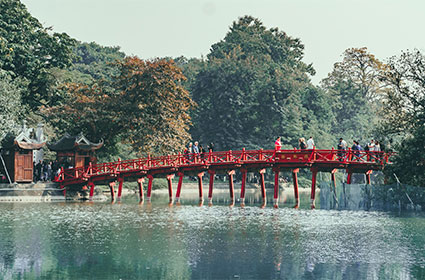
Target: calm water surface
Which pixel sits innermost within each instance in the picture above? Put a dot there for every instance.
(155, 241)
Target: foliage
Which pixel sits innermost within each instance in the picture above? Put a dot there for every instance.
(30, 50)
(251, 89)
(10, 103)
(144, 105)
(404, 103)
(357, 87)
(404, 112)
(409, 162)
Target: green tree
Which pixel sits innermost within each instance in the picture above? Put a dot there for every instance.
(30, 50)
(404, 116)
(357, 88)
(251, 89)
(10, 103)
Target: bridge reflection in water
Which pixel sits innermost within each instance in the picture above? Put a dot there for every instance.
(225, 162)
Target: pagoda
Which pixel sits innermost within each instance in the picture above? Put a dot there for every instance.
(17, 155)
(75, 151)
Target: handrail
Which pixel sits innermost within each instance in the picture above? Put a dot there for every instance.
(227, 157)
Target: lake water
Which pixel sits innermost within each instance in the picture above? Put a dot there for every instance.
(155, 241)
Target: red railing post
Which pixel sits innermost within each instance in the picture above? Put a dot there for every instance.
(260, 154)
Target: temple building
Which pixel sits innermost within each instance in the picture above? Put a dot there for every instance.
(17, 151)
(75, 151)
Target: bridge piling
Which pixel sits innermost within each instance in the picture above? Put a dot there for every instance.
(91, 184)
(112, 190)
(349, 175)
(368, 176)
(140, 183)
(179, 187)
(231, 187)
(170, 187)
(263, 187)
(243, 185)
(200, 187)
(276, 188)
(313, 188)
(150, 177)
(295, 181)
(211, 186)
(120, 183)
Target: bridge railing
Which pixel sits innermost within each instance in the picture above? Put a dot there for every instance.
(223, 157)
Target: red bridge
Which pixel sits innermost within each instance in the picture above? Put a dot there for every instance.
(225, 163)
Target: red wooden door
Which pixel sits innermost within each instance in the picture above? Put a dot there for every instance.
(23, 167)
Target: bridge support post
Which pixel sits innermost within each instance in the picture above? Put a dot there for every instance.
(276, 188)
(243, 185)
(140, 183)
(200, 187)
(210, 190)
(120, 183)
(231, 187)
(295, 180)
(349, 177)
(179, 187)
(91, 184)
(368, 177)
(263, 187)
(313, 188)
(150, 177)
(170, 187)
(112, 190)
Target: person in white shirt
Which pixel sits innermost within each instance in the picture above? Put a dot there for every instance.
(310, 143)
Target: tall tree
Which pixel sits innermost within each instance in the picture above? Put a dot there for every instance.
(251, 89)
(145, 105)
(404, 116)
(357, 88)
(10, 103)
(31, 50)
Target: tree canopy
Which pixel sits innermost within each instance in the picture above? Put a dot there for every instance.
(251, 89)
(29, 50)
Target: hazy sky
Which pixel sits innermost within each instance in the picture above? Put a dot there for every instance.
(159, 28)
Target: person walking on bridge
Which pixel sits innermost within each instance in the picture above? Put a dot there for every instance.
(310, 143)
(277, 144)
(302, 143)
(342, 146)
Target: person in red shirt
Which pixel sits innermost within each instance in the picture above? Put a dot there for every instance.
(277, 144)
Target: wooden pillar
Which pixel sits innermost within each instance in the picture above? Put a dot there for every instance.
(112, 190)
(150, 177)
(91, 184)
(179, 186)
(120, 183)
(263, 187)
(368, 177)
(333, 179)
(210, 190)
(276, 188)
(140, 183)
(231, 187)
(244, 172)
(313, 188)
(170, 187)
(200, 186)
(349, 177)
(295, 180)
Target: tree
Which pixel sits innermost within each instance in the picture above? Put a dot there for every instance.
(10, 103)
(357, 88)
(404, 116)
(251, 89)
(30, 51)
(145, 106)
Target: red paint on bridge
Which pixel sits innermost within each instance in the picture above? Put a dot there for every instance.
(226, 162)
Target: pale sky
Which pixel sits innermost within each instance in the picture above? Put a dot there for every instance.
(159, 28)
